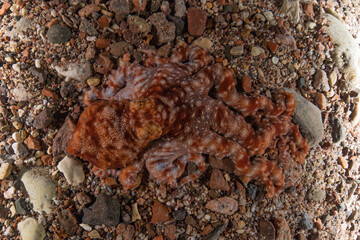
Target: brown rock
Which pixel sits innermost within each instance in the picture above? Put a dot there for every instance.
(102, 43)
(83, 199)
(225, 164)
(343, 162)
(224, 205)
(164, 30)
(320, 100)
(129, 232)
(138, 25)
(104, 62)
(63, 137)
(287, 40)
(321, 81)
(246, 83)
(103, 22)
(89, 9)
(47, 93)
(273, 47)
(90, 52)
(43, 119)
(217, 181)
(267, 229)
(120, 48)
(196, 18)
(160, 212)
(4, 7)
(309, 10)
(282, 229)
(32, 143)
(67, 223)
(170, 231)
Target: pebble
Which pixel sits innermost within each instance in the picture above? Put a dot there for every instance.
(20, 206)
(21, 26)
(120, 48)
(93, 81)
(224, 205)
(79, 71)
(321, 81)
(40, 188)
(58, 34)
(43, 119)
(338, 131)
(343, 162)
(333, 77)
(320, 101)
(83, 199)
(88, 10)
(10, 193)
(305, 222)
(16, 67)
(30, 229)
(138, 25)
(5, 170)
(19, 136)
(102, 43)
(179, 215)
(164, 30)
(267, 229)
(5, 6)
(283, 231)
(120, 7)
(274, 60)
(287, 40)
(20, 93)
(292, 9)
(311, 25)
(273, 47)
(135, 215)
(180, 8)
(20, 150)
(237, 50)
(256, 51)
(217, 181)
(268, 15)
(160, 212)
(246, 83)
(85, 227)
(214, 235)
(67, 223)
(94, 234)
(72, 170)
(105, 210)
(203, 42)
(63, 137)
(32, 143)
(170, 231)
(260, 17)
(196, 19)
(309, 119)
(316, 194)
(88, 27)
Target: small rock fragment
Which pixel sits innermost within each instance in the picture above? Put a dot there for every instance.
(63, 137)
(180, 8)
(164, 30)
(305, 222)
(88, 27)
(67, 223)
(256, 51)
(88, 10)
(196, 18)
(343, 162)
(4, 7)
(138, 25)
(5, 170)
(217, 181)
(237, 50)
(316, 194)
(179, 215)
(43, 119)
(20, 150)
(292, 9)
(160, 212)
(40, 188)
(282, 229)
(120, 7)
(320, 101)
(72, 170)
(203, 42)
(21, 207)
(21, 26)
(321, 81)
(287, 40)
(170, 231)
(246, 84)
(58, 34)
(267, 229)
(102, 43)
(32, 143)
(135, 215)
(94, 234)
(120, 48)
(30, 229)
(338, 131)
(273, 47)
(215, 234)
(224, 205)
(105, 210)
(79, 71)
(309, 119)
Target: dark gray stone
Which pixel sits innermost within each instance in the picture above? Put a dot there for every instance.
(58, 34)
(309, 119)
(105, 210)
(305, 222)
(179, 215)
(338, 131)
(21, 207)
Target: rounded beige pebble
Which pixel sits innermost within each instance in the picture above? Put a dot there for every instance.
(72, 170)
(5, 170)
(30, 229)
(93, 82)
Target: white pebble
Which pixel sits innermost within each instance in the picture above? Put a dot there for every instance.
(72, 170)
(30, 229)
(5, 170)
(37, 63)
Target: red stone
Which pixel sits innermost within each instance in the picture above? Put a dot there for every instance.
(32, 143)
(47, 93)
(160, 212)
(102, 43)
(103, 22)
(196, 18)
(273, 47)
(217, 181)
(4, 7)
(246, 83)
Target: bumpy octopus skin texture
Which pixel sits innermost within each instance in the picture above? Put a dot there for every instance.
(168, 112)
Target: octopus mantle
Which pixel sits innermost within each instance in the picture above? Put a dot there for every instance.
(172, 111)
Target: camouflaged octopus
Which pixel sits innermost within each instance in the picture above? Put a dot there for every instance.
(172, 111)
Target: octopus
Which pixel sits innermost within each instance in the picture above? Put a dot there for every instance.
(165, 113)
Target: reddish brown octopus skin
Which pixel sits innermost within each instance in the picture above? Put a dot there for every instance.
(161, 115)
